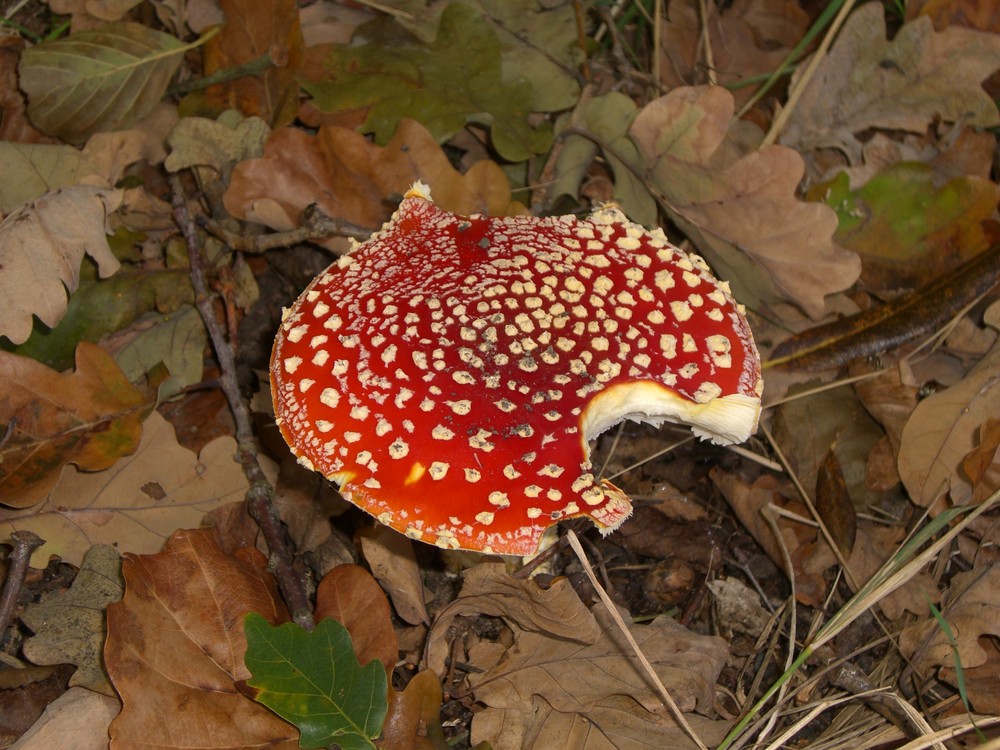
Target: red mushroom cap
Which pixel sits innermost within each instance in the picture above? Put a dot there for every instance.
(449, 373)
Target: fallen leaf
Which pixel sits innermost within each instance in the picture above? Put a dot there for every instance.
(351, 596)
(909, 230)
(747, 38)
(970, 608)
(76, 720)
(175, 649)
(592, 685)
(444, 85)
(33, 169)
(103, 79)
(41, 247)
(313, 680)
(982, 464)
(741, 211)
(942, 431)
(876, 543)
(218, 144)
(176, 340)
(14, 124)
(539, 41)
(252, 29)
(809, 554)
(413, 721)
(90, 417)
(866, 81)
(393, 562)
(137, 503)
(488, 589)
(350, 178)
(69, 627)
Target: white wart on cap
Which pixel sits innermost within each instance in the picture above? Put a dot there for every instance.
(449, 373)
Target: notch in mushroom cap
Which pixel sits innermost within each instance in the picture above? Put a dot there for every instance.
(449, 373)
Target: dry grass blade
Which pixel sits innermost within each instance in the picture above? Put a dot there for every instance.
(574, 543)
(896, 571)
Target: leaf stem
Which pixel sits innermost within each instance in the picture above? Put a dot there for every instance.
(252, 68)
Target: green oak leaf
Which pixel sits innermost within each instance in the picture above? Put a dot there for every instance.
(452, 81)
(312, 679)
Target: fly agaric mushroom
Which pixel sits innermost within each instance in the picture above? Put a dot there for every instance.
(449, 372)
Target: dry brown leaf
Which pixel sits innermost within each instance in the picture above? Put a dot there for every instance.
(14, 124)
(972, 610)
(90, 417)
(252, 29)
(982, 465)
(351, 596)
(810, 555)
(41, 247)
(875, 545)
(391, 557)
(747, 38)
(904, 84)
(350, 178)
(739, 207)
(943, 428)
(175, 649)
(137, 503)
(412, 713)
(76, 720)
(598, 688)
(489, 590)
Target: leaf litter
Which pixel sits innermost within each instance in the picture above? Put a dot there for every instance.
(846, 241)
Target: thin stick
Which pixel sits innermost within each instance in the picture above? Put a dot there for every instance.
(25, 542)
(678, 715)
(260, 494)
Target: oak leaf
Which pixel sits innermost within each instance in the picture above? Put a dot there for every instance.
(251, 30)
(445, 84)
(867, 81)
(741, 211)
(350, 178)
(41, 246)
(69, 627)
(544, 684)
(137, 503)
(90, 417)
(943, 429)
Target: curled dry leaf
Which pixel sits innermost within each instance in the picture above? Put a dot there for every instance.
(350, 178)
(41, 247)
(137, 503)
(391, 557)
(175, 649)
(741, 210)
(943, 430)
(541, 682)
(904, 84)
(489, 590)
(972, 611)
(90, 417)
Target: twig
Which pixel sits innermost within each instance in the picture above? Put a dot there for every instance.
(260, 494)
(25, 542)
(315, 226)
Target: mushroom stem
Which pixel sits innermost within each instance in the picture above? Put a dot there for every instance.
(260, 495)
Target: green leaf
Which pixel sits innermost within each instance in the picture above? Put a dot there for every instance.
(443, 85)
(103, 79)
(313, 680)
